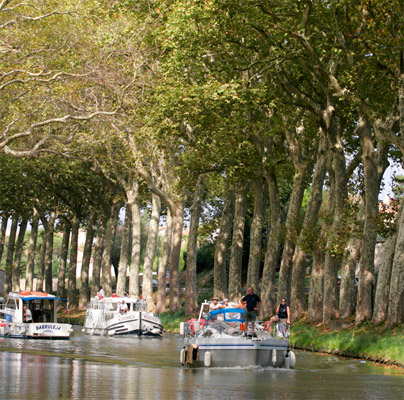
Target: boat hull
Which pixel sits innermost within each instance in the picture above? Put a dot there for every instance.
(135, 323)
(229, 352)
(50, 331)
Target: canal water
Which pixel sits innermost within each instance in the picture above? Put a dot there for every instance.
(90, 367)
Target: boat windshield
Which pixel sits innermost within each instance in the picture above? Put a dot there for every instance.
(227, 314)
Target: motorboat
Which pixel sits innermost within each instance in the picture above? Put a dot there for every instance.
(106, 316)
(221, 338)
(42, 322)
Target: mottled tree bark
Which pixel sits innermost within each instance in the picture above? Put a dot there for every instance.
(17, 255)
(364, 306)
(132, 194)
(236, 255)
(315, 307)
(49, 226)
(41, 265)
(348, 267)
(254, 262)
(177, 211)
(191, 304)
(3, 229)
(395, 309)
(84, 294)
(124, 255)
(222, 242)
(383, 281)
(10, 255)
(151, 244)
(164, 265)
(29, 272)
(64, 251)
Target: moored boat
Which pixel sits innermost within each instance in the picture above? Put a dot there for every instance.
(33, 315)
(223, 339)
(106, 317)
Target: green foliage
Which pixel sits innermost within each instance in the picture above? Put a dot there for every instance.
(171, 320)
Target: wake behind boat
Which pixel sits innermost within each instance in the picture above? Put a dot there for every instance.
(106, 316)
(221, 340)
(32, 315)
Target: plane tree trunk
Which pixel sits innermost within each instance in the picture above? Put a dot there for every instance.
(221, 247)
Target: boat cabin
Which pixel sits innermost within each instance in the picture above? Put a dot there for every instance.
(42, 305)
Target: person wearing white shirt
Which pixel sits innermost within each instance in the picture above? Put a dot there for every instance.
(123, 309)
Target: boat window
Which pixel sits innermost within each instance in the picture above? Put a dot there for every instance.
(11, 303)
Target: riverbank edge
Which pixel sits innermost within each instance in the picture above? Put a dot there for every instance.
(366, 342)
(341, 338)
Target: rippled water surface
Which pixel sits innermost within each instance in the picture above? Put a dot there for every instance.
(89, 367)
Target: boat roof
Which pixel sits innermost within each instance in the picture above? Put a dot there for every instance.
(27, 296)
(224, 311)
(116, 300)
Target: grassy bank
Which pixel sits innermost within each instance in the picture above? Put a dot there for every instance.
(365, 341)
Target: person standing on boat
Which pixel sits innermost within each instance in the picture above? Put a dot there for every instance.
(282, 314)
(253, 304)
(102, 294)
(27, 314)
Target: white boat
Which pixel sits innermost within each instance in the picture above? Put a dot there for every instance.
(43, 310)
(221, 340)
(103, 317)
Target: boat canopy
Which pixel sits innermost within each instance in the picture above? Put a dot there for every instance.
(228, 314)
(28, 296)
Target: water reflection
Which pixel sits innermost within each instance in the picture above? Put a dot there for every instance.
(146, 368)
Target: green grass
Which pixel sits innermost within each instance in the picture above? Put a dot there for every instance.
(365, 341)
(171, 320)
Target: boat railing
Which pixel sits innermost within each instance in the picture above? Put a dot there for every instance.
(237, 328)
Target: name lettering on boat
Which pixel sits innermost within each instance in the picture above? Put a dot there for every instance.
(52, 327)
